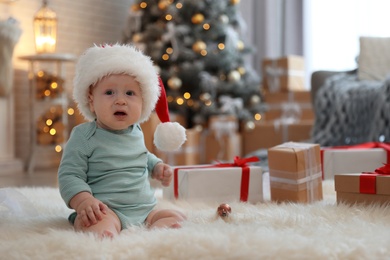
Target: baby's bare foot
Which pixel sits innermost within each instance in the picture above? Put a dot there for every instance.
(106, 234)
(176, 225)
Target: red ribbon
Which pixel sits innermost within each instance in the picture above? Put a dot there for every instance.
(238, 162)
(367, 180)
(368, 145)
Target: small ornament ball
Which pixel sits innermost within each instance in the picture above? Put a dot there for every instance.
(249, 125)
(254, 100)
(240, 45)
(224, 19)
(197, 18)
(234, 76)
(205, 97)
(224, 210)
(199, 46)
(174, 83)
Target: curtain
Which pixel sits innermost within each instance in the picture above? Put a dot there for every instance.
(275, 28)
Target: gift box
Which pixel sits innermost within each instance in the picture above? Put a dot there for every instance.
(223, 124)
(220, 147)
(362, 188)
(267, 134)
(288, 110)
(299, 96)
(221, 141)
(211, 183)
(295, 172)
(187, 154)
(283, 74)
(353, 159)
(291, 104)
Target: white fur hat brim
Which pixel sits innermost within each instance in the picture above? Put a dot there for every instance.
(100, 61)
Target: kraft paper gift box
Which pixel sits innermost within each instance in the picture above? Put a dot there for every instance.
(361, 188)
(283, 74)
(216, 147)
(295, 172)
(353, 159)
(267, 134)
(297, 111)
(291, 103)
(221, 141)
(208, 183)
(299, 96)
(187, 154)
(224, 124)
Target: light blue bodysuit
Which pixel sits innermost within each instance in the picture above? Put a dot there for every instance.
(114, 166)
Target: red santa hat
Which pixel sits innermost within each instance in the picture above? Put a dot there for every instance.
(100, 61)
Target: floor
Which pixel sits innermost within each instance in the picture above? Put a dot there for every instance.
(39, 178)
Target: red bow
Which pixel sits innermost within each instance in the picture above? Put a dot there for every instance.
(384, 170)
(239, 162)
(368, 179)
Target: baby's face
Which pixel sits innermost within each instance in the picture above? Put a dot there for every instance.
(116, 101)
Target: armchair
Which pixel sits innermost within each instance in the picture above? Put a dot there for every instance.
(349, 110)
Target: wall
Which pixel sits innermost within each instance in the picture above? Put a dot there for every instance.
(80, 24)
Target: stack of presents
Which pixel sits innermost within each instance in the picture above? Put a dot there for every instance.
(289, 114)
(212, 165)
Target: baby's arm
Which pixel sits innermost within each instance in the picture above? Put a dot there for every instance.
(88, 208)
(163, 173)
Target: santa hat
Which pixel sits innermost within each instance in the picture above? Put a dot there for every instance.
(100, 61)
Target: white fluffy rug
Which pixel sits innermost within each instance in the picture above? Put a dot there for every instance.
(37, 228)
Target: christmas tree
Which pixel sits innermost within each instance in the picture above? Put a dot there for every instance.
(199, 49)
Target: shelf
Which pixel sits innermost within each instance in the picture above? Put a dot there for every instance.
(7, 1)
(49, 57)
(41, 107)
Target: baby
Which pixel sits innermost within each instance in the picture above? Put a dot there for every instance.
(105, 168)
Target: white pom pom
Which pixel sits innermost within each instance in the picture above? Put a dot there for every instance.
(169, 136)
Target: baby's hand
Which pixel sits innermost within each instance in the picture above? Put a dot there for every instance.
(91, 210)
(163, 173)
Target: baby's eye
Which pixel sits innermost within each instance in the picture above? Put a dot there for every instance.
(130, 93)
(109, 92)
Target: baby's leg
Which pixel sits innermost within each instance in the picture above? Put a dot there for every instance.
(165, 218)
(109, 226)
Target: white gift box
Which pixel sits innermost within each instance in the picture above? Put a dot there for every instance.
(336, 161)
(215, 184)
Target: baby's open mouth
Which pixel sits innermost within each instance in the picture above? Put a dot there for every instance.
(120, 113)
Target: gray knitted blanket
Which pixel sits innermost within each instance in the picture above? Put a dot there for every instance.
(349, 111)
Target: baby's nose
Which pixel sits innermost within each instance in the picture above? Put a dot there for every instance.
(120, 100)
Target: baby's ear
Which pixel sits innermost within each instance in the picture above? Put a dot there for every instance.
(90, 99)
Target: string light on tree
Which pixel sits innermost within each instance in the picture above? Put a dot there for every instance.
(143, 5)
(257, 117)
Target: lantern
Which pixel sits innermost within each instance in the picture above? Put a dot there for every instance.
(45, 29)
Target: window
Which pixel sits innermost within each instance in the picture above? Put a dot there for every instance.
(332, 29)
